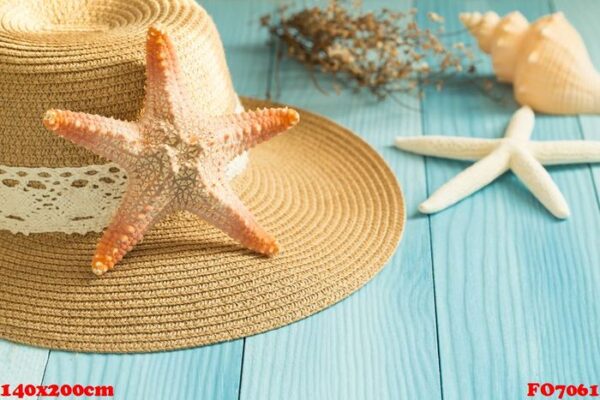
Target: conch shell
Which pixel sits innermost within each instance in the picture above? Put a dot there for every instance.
(546, 61)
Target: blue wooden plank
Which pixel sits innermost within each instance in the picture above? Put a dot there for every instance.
(379, 343)
(21, 364)
(211, 372)
(516, 289)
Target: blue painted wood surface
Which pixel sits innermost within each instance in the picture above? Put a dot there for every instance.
(516, 289)
(479, 299)
(19, 364)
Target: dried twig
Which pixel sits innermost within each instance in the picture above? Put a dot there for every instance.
(384, 52)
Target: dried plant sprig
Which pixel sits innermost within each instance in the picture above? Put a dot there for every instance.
(385, 52)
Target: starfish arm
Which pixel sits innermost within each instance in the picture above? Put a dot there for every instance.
(110, 138)
(467, 182)
(521, 124)
(143, 205)
(222, 208)
(165, 97)
(566, 152)
(240, 132)
(456, 148)
(540, 183)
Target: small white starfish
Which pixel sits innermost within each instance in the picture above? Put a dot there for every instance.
(515, 151)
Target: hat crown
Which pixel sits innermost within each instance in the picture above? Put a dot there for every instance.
(89, 56)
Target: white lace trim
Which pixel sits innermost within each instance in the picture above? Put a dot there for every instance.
(69, 199)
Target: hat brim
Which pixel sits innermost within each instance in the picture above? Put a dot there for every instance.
(330, 199)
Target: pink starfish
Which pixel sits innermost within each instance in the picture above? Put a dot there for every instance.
(174, 158)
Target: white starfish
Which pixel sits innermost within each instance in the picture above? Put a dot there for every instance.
(515, 151)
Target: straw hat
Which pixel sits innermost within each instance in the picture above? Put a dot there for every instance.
(329, 198)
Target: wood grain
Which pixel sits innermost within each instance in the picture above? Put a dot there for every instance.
(205, 373)
(516, 289)
(380, 343)
(21, 364)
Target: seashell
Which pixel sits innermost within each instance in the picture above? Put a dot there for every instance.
(546, 61)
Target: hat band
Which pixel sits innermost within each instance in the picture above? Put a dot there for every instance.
(68, 199)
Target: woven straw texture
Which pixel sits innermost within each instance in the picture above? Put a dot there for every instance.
(89, 56)
(330, 199)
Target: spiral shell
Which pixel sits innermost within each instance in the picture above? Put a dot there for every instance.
(546, 61)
